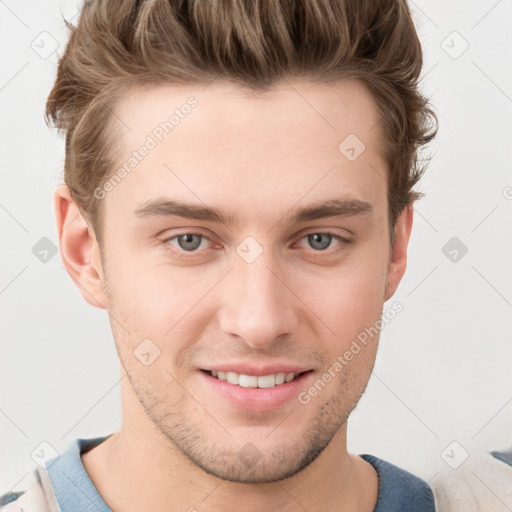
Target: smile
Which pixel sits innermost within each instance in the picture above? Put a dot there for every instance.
(253, 381)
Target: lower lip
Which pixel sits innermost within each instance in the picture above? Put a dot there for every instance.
(257, 399)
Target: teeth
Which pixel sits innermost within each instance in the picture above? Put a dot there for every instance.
(280, 378)
(267, 381)
(252, 381)
(232, 377)
(248, 381)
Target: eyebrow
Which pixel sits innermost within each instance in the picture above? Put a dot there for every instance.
(335, 207)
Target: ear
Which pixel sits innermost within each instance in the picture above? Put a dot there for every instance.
(79, 248)
(398, 258)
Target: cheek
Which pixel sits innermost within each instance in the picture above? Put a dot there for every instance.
(159, 303)
(149, 291)
(348, 299)
(351, 309)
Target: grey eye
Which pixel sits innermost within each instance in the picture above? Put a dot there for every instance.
(317, 244)
(189, 241)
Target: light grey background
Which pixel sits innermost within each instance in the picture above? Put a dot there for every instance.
(443, 372)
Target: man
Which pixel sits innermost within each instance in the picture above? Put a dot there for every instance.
(238, 196)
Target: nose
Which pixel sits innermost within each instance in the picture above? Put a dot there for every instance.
(258, 302)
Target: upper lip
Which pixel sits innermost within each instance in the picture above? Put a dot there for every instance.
(257, 370)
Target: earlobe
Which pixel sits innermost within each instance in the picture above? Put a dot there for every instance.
(79, 248)
(398, 260)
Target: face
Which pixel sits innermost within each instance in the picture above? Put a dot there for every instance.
(248, 238)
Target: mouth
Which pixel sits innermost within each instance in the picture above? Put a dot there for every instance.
(256, 381)
(263, 392)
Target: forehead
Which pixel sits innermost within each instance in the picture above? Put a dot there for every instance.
(344, 107)
(222, 143)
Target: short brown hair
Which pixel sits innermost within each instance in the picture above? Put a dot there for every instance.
(120, 44)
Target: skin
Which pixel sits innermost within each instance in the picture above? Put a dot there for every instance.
(260, 155)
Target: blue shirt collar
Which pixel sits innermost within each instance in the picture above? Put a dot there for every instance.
(71, 483)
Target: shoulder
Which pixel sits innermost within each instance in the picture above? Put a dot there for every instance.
(399, 489)
(32, 494)
(482, 482)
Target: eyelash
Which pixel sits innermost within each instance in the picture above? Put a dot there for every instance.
(189, 254)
